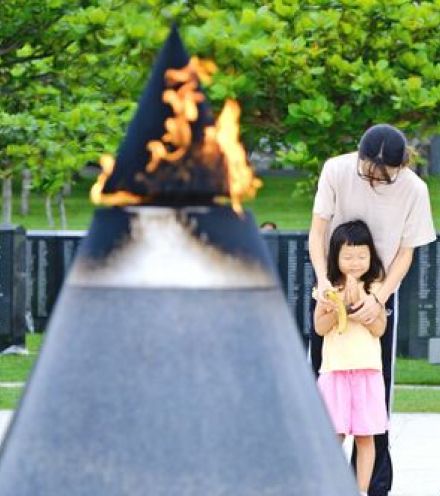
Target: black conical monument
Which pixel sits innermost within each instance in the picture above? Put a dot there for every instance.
(172, 367)
(167, 184)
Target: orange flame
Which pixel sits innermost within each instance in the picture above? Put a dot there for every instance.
(242, 182)
(184, 102)
(107, 163)
(222, 137)
(225, 133)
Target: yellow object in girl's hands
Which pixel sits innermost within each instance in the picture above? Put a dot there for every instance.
(341, 310)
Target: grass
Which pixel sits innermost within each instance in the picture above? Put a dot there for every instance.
(412, 371)
(408, 371)
(405, 400)
(78, 207)
(417, 400)
(9, 398)
(16, 368)
(276, 202)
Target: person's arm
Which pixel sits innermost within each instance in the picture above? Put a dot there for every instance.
(371, 306)
(317, 233)
(324, 318)
(377, 327)
(398, 270)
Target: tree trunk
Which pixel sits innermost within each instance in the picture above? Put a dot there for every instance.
(26, 179)
(62, 210)
(49, 213)
(67, 188)
(7, 200)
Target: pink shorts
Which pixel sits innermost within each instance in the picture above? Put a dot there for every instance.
(355, 401)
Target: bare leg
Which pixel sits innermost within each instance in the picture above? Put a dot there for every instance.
(365, 460)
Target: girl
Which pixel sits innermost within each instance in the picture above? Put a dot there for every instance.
(351, 380)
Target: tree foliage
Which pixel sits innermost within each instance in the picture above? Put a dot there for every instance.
(310, 75)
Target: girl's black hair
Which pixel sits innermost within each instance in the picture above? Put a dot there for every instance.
(353, 233)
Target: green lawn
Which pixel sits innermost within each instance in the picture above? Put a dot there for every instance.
(411, 371)
(276, 202)
(78, 207)
(405, 400)
(16, 368)
(9, 398)
(425, 400)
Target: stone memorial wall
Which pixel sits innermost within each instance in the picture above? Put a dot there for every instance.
(49, 255)
(12, 286)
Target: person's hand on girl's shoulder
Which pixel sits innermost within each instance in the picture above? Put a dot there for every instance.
(366, 310)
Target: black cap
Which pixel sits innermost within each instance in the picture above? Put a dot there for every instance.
(194, 178)
(383, 144)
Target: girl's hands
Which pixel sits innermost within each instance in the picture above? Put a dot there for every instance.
(322, 286)
(324, 303)
(351, 290)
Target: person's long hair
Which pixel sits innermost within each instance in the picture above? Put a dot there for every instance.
(353, 233)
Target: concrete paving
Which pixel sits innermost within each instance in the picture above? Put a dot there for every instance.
(5, 417)
(415, 449)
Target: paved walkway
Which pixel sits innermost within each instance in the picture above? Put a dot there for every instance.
(415, 449)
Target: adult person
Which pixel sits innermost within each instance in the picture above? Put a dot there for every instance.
(375, 185)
